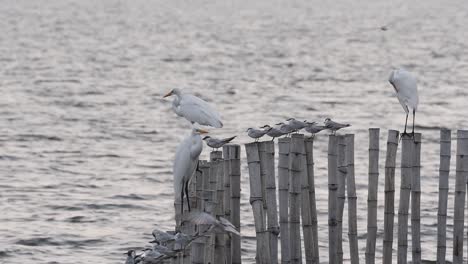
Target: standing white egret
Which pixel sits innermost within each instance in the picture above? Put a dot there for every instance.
(185, 164)
(194, 109)
(406, 90)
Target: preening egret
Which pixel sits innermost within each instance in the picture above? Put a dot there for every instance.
(202, 218)
(334, 126)
(185, 164)
(194, 109)
(273, 132)
(296, 124)
(216, 143)
(313, 128)
(257, 133)
(406, 90)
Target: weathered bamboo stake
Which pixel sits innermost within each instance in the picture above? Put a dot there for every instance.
(227, 198)
(405, 190)
(295, 171)
(460, 189)
(261, 153)
(444, 170)
(416, 201)
(210, 205)
(309, 146)
(283, 192)
(390, 161)
(235, 175)
(267, 164)
(372, 194)
(219, 243)
(332, 199)
(341, 177)
(263, 245)
(352, 200)
(198, 245)
(305, 209)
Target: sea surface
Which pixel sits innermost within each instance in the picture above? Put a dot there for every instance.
(87, 142)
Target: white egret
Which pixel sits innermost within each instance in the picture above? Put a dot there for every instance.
(334, 126)
(296, 124)
(406, 90)
(216, 143)
(194, 109)
(202, 218)
(257, 133)
(185, 164)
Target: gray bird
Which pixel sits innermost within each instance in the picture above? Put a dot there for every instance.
(162, 237)
(274, 132)
(313, 128)
(296, 124)
(257, 133)
(202, 218)
(334, 126)
(151, 256)
(285, 128)
(130, 257)
(216, 143)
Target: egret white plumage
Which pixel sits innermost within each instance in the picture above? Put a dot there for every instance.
(202, 218)
(296, 124)
(194, 109)
(257, 133)
(216, 143)
(406, 90)
(185, 164)
(334, 126)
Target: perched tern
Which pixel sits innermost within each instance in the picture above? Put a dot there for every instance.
(296, 124)
(216, 143)
(194, 109)
(185, 164)
(285, 128)
(130, 257)
(334, 126)
(313, 128)
(202, 218)
(161, 237)
(273, 132)
(257, 133)
(406, 90)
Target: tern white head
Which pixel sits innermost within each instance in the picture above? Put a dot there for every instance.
(257, 133)
(216, 143)
(334, 126)
(406, 90)
(194, 109)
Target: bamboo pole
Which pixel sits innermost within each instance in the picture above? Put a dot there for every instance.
(305, 209)
(283, 192)
(332, 199)
(210, 204)
(263, 245)
(390, 161)
(267, 164)
(352, 201)
(309, 146)
(372, 194)
(405, 190)
(416, 201)
(227, 198)
(460, 189)
(235, 175)
(341, 176)
(218, 195)
(444, 170)
(198, 245)
(295, 171)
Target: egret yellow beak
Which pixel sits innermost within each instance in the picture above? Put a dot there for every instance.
(201, 131)
(168, 94)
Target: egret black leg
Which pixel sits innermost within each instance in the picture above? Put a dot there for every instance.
(187, 196)
(198, 168)
(182, 201)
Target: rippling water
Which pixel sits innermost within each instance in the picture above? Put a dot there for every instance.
(86, 142)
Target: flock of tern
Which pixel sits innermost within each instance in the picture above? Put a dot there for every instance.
(198, 111)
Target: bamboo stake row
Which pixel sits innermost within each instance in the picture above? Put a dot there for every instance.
(373, 186)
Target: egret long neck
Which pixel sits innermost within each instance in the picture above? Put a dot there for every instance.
(175, 104)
